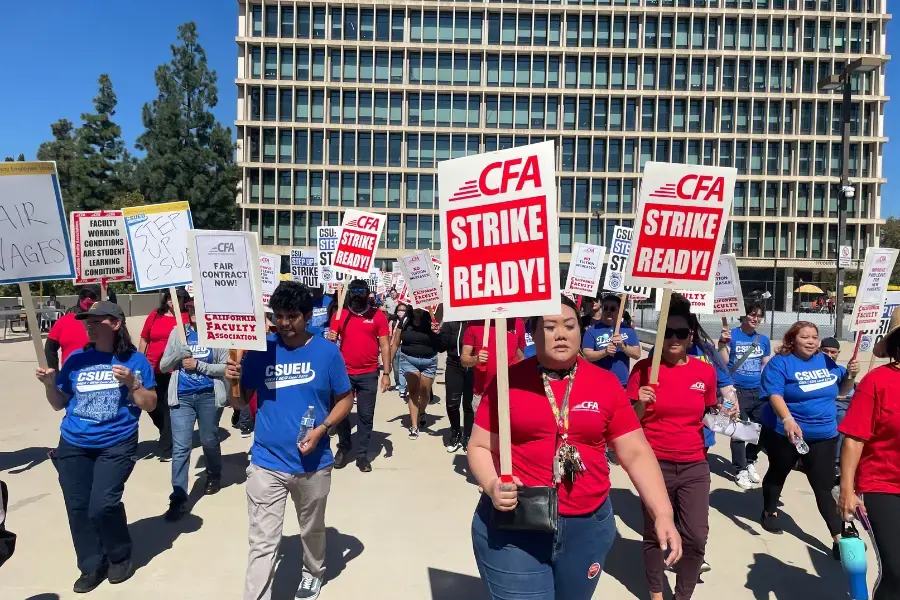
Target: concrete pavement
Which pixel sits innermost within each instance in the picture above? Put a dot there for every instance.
(400, 532)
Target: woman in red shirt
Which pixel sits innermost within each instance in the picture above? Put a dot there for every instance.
(870, 458)
(154, 337)
(558, 402)
(483, 358)
(68, 334)
(671, 413)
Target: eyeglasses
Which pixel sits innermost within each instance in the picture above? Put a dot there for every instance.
(359, 290)
(682, 333)
(610, 309)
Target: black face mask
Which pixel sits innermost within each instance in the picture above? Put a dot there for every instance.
(358, 303)
(371, 301)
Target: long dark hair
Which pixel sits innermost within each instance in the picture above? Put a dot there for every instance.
(123, 347)
(790, 336)
(679, 306)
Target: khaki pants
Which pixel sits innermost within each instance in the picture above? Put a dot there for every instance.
(267, 493)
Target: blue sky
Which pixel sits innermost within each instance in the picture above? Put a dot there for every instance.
(62, 46)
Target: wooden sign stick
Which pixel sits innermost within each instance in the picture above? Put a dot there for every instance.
(236, 356)
(660, 336)
(103, 289)
(622, 298)
(503, 429)
(176, 308)
(33, 326)
(340, 305)
(487, 331)
(725, 322)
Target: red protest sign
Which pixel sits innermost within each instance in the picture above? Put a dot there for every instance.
(681, 222)
(499, 234)
(356, 248)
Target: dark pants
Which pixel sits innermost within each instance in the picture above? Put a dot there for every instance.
(245, 419)
(460, 383)
(194, 408)
(160, 414)
(688, 488)
(842, 407)
(92, 482)
(365, 387)
(818, 465)
(883, 511)
(541, 566)
(743, 453)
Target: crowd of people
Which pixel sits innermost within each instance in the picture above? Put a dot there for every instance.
(581, 401)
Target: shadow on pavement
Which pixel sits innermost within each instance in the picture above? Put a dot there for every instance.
(721, 467)
(23, 460)
(234, 471)
(340, 549)
(625, 561)
(453, 586)
(769, 577)
(461, 467)
(378, 442)
(153, 536)
(43, 597)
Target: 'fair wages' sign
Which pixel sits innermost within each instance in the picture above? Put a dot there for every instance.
(614, 281)
(499, 234)
(872, 288)
(100, 246)
(358, 242)
(681, 222)
(157, 237)
(584, 270)
(729, 298)
(422, 283)
(227, 290)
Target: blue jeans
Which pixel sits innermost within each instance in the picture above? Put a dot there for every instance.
(192, 408)
(541, 566)
(413, 364)
(399, 379)
(365, 387)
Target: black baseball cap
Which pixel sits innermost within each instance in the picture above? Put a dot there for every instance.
(830, 342)
(104, 308)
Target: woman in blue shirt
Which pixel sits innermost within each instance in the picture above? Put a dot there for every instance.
(103, 389)
(197, 393)
(801, 384)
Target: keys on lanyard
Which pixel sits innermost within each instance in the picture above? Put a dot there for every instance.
(567, 463)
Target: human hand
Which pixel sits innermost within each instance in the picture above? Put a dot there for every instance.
(123, 375)
(189, 364)
(647, 394)
(309, 443)
(610, 349)
(617, 340)
(233, 370)
(435, 327)
(669, 539)
(725, 336)
(792, 431)
(330, 336)
(483, 356)
(847, 504)
(385, 382)
(853, 368)
(46, 376)
(505, 496)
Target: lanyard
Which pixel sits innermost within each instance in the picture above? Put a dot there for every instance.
(561, 415)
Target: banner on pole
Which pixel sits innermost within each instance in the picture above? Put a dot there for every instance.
(729, 298)
(423, 287)
(681, 222)
(269, 271)
(358, 242)
(227, 290)
(584, 270)
(614, 280)
(34, 242)
(329, 277)
(304, 267)
(872, 288)
(499, 234)
(100, 246)
(157, 238)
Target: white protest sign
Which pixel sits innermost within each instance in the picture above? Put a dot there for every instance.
(329, 277)
(386, 278)
(681, 222)
(499, 234)
(845, 257)
(870, 293)
(873, 336)
(373, 280)
(702, 303)
(438, 269)
(304, 267)
(269, 271)
(423, 287)
(728, 297)
(34, 243)
(157, 237)
(358, 242)
(584, 270)
(614, 281)
(227, 289)
(100, 246)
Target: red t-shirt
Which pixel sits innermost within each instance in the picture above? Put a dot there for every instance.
(359, 338)
(70, 334)
(474, 336)
(874, 417)
(599, 412)
(156, 332)
(674, 423)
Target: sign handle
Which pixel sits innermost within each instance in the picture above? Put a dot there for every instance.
(856, 348)
(622, 298)
(33, 326)
(660, 336)
(103, 289)
(176, 308)
(579, 302)
(340, 304)
(503, 429)
(236, 356)
(487, 331)
(724, 321)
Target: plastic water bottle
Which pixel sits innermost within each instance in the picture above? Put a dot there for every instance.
(800, 445)
(853, 560)
(722, 419)
(307, 424)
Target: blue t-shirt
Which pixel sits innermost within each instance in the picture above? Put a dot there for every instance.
(809, 388)
(193, 382)
(750, 371)
(529, 350)
(597, 337)
(100, 412)
(287, 382)
(319, 320)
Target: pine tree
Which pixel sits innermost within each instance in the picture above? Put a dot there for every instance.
(189, 155)
(63, 149)
(21, 158)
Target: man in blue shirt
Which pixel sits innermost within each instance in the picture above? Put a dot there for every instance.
(605, 349)
(746, 352)
(317, 324)
(297, 374)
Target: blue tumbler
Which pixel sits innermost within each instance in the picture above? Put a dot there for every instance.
(853, 560)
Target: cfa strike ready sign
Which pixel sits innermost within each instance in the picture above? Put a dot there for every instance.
(681, 222)
(499, 234)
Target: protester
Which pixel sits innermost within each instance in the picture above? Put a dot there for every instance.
(197, 393)
(103, 389)
(389, 306)
(801, 385)
(870, 463)
(363, 331)
(746, 351)
(565, 564)
(608, 350)
(529, 350)
(297, 373)
(484, 358)
(460, 385)
(671, 413)
(394, 322)
(831, 348)
(416, 342)
(154, 337)
(318, 323)
(68, 334)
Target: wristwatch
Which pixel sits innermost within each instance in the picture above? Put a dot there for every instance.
(329, 429)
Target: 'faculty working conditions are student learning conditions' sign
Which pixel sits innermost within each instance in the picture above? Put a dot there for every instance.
(100, 246)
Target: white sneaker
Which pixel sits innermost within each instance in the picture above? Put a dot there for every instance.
(754, 476)
(705, 567)
(743, 480)
(309, 588)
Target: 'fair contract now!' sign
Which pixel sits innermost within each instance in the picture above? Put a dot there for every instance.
(499, 234)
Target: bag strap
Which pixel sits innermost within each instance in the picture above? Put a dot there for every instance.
(746, 355)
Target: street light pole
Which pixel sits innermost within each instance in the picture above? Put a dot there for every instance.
(846, 192)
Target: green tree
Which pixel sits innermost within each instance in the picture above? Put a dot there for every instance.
(890, 238)
(21, 158)
(189, 155)
(127, 199)
(63, 149)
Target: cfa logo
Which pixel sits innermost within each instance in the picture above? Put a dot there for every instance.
(699, 386)
(587, 405)
(502, 177)
(364, 222)
(693, 187)
(881, 259)
(225, 247)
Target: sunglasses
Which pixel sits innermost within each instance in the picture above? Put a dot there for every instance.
(610, 309)
(359, 291)
(682, 333)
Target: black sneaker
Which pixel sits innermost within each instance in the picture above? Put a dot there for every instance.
(340, 459)
(246, 431)
(164, 454)
(771, 523)
(88, 581)
(235, 419)
(121, 571)
(454, 443)
(177, 508)
(364, 465)
(213, 485)
(422, 421)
